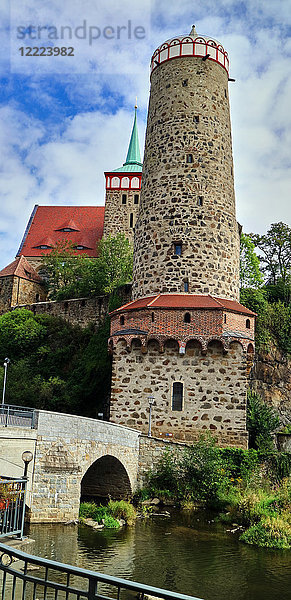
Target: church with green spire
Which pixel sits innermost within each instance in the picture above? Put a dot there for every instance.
(123, 187)
(80, 226)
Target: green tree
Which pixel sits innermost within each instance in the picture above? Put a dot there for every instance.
(275, 247)
(74, 276)
(250, 274)
(20, 333)
(55, 365)
(115, 262)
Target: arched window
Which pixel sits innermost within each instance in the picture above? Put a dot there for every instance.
(115, 182)
(187, 318)
(248, 324)
(122, 320)
(125, 182)
(135, 182)
(177, 396)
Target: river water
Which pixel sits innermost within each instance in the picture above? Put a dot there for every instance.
(184, 553)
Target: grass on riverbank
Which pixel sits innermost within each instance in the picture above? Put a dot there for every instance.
(109, 515)
(244, 486)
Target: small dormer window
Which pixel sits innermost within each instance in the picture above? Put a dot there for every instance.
(80, 247)
(42, 247)
(67, 229)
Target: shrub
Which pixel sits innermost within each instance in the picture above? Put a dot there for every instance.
(203, 475)
(165, 476)
(90, 510)
(110, 522)
(270, 532)
(120, 509)
(261, 422)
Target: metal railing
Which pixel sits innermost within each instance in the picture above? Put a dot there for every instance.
(26, 577)
(17, 416)
(12, 506)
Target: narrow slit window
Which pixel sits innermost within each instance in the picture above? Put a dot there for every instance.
(196, 119)
(185, 82)
(153, 317)
(186, 285)
(225, 318)
(122, 320)
(177, 396)
(187, 318)
(178, 249)
(136, 198)
(124, 198)
(131, 220)
(189, 158)
(200, 200)
(248, 324)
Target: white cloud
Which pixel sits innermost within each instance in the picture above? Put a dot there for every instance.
(63, 162)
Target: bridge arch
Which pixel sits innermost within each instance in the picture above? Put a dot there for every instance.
(106, 476)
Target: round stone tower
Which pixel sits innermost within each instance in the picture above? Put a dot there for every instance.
(186, 235)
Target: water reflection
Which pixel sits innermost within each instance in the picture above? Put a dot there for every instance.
(184, 553)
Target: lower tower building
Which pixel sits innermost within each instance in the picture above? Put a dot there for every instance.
(185, 339)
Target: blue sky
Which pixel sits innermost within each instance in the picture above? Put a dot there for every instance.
(64, 121)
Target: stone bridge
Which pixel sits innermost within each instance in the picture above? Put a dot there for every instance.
(76, 456)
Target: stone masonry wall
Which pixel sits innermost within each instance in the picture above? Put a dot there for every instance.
(79, 311)
(271, 378)
(6, 293)
(190, 203)
(17, 290)
(117, 214)
(214, 390)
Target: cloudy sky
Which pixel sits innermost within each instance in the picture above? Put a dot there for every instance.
(65, 120)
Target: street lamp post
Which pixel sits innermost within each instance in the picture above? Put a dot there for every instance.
(151, 400)
(27, 457)
(5, 364)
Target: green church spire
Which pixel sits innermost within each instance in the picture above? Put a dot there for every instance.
(133, 162)
(133, 154)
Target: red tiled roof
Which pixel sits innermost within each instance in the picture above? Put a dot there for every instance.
(20, 267)
(47, 220)
(185, 301)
